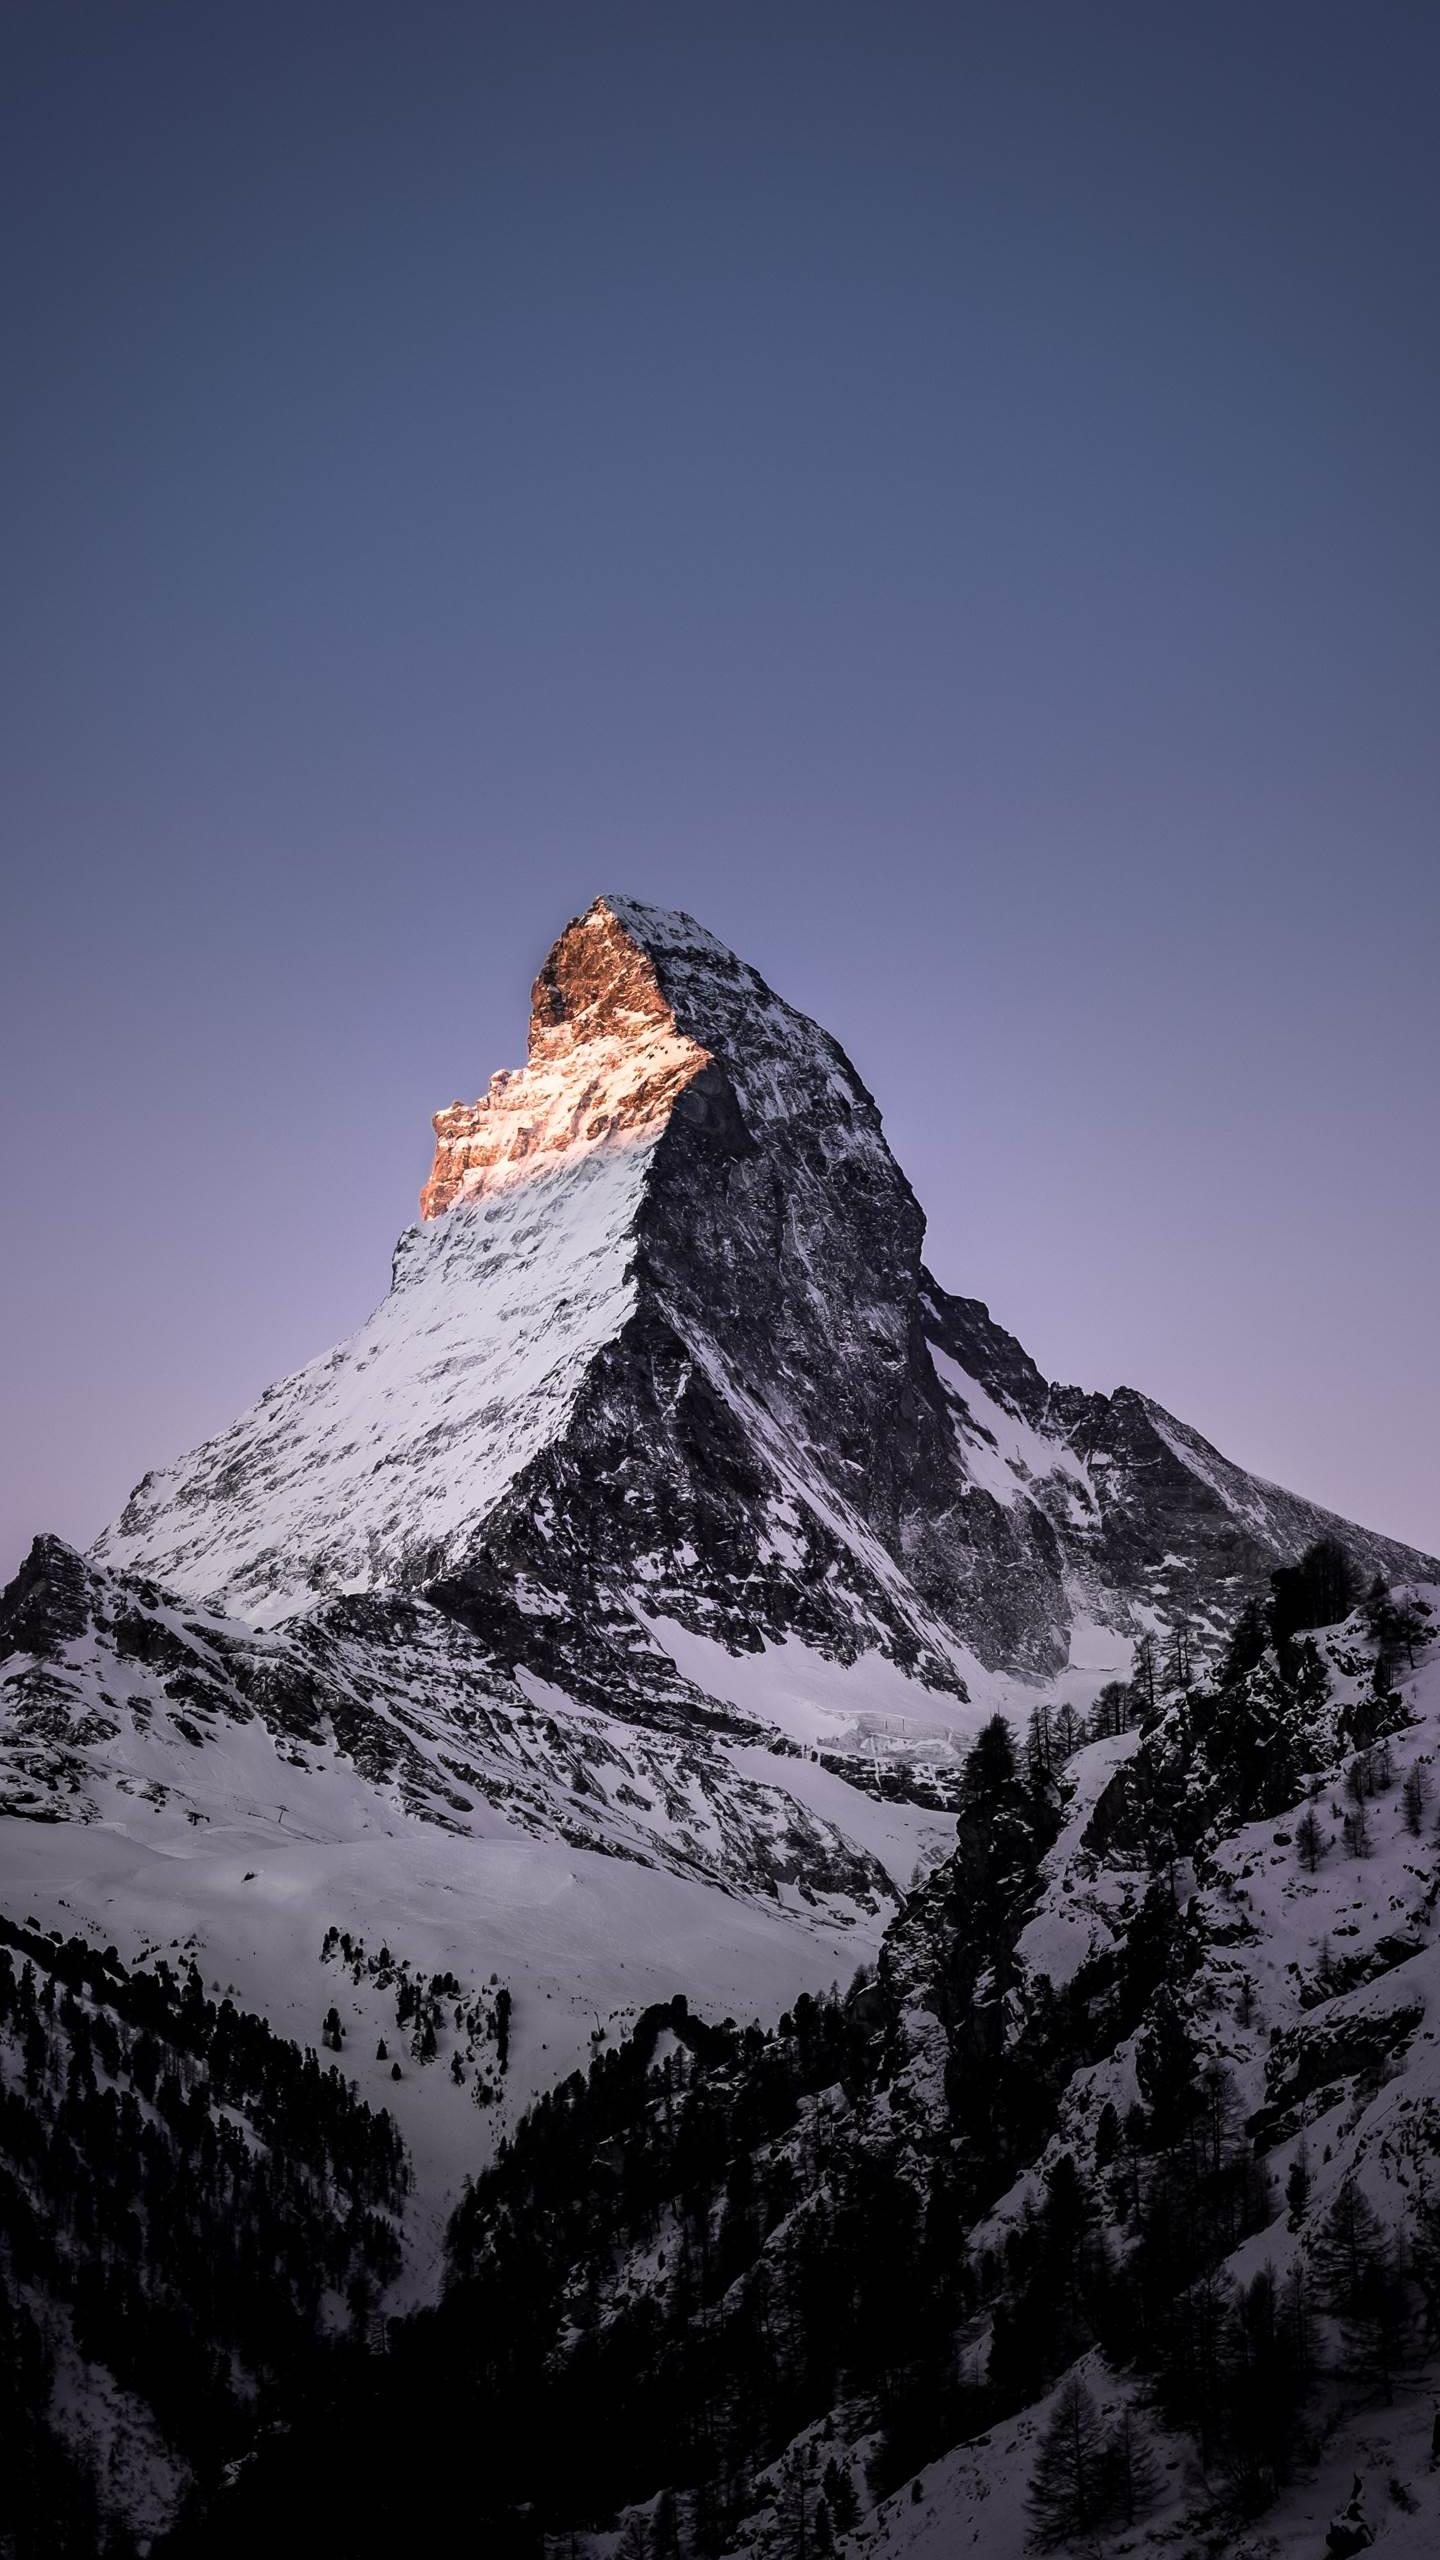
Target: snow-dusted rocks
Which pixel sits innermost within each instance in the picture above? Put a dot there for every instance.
(117, 1698)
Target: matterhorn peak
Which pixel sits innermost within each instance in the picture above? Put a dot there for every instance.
(662, 1353)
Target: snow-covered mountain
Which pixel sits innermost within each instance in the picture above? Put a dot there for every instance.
(662, 1354)
(607, 1627)
(666, 1516)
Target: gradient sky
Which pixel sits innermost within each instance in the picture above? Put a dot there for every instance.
(949, 495)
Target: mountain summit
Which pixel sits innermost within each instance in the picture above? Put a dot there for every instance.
(608, 1059)
(662, 1382)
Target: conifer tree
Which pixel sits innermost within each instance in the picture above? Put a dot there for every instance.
(1128, 2469)
(1297, 2187)
(1309, 1840)
(1317, 1592)
(1167, 2068)
(1346, 2247)
(1069, 2489)
(1356, 1832)
(839, 2493)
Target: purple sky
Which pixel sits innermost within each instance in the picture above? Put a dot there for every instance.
(947, 494)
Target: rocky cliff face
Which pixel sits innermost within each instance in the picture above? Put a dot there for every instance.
(607, 1065)
(663, 1354)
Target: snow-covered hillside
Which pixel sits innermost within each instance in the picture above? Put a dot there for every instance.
(1313, 1990)
(171, 1779)
(1106, 2214)
(379, 1463)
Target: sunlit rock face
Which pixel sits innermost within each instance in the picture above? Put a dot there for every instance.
(607, 1063)
(662, 1359)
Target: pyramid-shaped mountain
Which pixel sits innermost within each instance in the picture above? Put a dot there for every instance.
(662, 1380)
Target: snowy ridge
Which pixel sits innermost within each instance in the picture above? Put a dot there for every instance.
(1266, 1509)
(114, 1691)
(1005, 1454)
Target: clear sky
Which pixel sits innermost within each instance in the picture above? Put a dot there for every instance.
(947, 494)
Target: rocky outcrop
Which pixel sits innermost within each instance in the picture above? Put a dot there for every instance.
(607, 1064)
(48, 1601)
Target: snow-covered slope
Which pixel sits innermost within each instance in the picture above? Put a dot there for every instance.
(1310, 1985)
(380, 1462)
(173, 1779)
